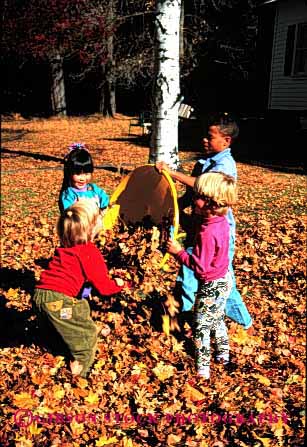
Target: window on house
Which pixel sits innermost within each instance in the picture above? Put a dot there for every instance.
(296, 50)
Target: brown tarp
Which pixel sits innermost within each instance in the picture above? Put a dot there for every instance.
(146, 194)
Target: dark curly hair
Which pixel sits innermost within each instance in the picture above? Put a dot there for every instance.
(226, 124)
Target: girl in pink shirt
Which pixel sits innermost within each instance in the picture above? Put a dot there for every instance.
(215, 192)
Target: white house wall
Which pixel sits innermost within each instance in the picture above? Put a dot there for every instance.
(286, 92)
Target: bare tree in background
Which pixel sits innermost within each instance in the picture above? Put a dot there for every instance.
(54, 32)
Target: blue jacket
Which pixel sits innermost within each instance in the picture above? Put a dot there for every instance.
(70, 195)
(220, 162)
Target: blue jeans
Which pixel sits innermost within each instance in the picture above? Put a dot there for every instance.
(235, 307)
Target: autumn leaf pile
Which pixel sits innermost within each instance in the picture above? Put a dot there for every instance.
(143, 389)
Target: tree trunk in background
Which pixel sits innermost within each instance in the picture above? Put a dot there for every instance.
(181, 33)
(58, 100)
(164, 140)
(107, 104)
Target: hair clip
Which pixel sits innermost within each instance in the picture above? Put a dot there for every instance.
(69, 213)
(74, 146)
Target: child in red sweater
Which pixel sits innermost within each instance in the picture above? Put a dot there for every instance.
(76, 262)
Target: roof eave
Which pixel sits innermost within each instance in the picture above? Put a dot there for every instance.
(267, 2)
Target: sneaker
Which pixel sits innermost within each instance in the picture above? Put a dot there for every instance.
(204, 373)
(222, 359)
(231, 367)
(75, 368)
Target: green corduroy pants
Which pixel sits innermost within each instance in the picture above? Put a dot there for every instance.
(71, 318)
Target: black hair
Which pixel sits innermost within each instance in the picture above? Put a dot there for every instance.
(77, 161)
(226, 123)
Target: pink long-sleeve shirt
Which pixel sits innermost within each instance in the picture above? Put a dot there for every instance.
(209, 259)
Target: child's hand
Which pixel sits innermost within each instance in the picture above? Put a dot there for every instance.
(173, 247)
(119, 281)
(161, 165)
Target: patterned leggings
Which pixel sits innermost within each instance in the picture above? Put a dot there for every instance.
(209, 315)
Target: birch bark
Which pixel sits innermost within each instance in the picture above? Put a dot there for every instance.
(164, 139)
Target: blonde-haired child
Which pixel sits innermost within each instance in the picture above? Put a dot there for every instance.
(77, 261)
(214, 193)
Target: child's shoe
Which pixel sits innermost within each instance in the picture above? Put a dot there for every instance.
(75, 368)
(204, 372)
(229, 366)
(224, 359)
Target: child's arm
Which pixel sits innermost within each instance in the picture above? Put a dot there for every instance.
(200, 259)
(67, 198)
(187, 198)
(96, 271)
(104, 199)
(187, 180)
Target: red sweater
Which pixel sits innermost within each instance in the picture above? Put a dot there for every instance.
(71, 267)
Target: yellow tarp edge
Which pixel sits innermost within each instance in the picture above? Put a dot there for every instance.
(113, 210)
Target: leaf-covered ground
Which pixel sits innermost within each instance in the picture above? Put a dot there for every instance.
(143, 389)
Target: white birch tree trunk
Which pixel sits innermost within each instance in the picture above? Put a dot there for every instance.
(164, 139)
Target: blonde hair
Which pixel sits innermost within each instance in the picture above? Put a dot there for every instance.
(220, 188)
(77, 223)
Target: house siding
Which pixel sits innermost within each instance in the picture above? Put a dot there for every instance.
(286, 92)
